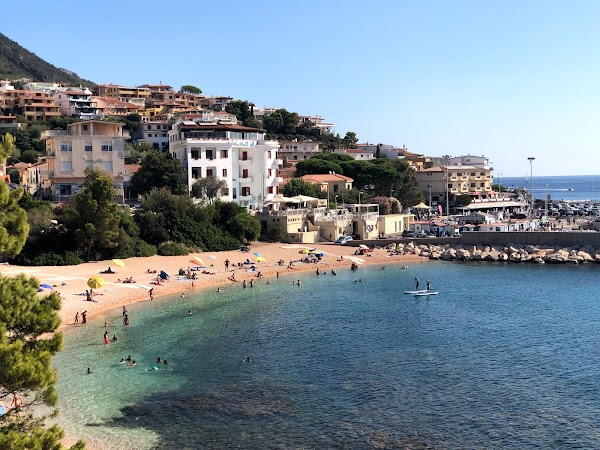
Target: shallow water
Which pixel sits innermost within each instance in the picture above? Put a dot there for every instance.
(506, 356)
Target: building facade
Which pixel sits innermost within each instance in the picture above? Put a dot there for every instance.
(91, 143)
(238, 155)
(77, 102)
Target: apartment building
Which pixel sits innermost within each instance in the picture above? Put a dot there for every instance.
(239, 155)
(215, 103)
(113, 106)
(77, 102)
(90, 143)
(123, 92)
(356, 153)
(318, 122)
(34, 105)
(155, 132)
(9, 122)
(439, 183)
(333, 184)
(294, 151)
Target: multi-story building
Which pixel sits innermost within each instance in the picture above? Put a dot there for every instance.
(77, 102)
(90, 143)
(155, 132)
(356, 153)
(9, 122)
(467, 160)
(34, 105)
(236, 154)
(6, 85)
(215, 103)
(443, 184)
(113, 106)
(123, 92)
(41, 86)
(318, 122)
(331, 183)
(294, 151)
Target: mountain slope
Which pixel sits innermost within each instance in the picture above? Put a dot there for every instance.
(17, 62)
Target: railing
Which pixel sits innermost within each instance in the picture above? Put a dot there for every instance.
(290, 212)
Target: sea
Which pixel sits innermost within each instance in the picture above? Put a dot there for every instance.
(505, 356)
(569, 188)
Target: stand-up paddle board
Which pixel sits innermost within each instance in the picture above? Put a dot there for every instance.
(415, 292)
(425, 294)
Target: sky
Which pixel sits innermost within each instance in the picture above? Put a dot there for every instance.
(504, 79)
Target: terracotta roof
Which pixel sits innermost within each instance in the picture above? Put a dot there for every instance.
(132, 168)
(326, 177)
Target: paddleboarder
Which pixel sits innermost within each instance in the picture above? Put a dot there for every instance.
(416, 284)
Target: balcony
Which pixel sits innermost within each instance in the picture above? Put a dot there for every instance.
(245, 162)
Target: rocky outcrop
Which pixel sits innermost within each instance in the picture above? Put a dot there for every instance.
(511, 253)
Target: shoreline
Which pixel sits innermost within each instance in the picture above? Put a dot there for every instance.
(71, 281)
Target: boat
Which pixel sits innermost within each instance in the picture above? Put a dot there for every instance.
(425, 294)
(415, 292)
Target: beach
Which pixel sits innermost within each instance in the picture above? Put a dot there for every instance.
(71, 281)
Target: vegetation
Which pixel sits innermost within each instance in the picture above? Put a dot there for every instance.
(14, 228)
(28, 340)
(208, 187)
(159, 170)
(17, 62)
(189, 89)
(172, 249)
(297, 186)
(7, 146)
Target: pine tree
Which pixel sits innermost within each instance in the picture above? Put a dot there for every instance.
(14, 228)
(28, 340)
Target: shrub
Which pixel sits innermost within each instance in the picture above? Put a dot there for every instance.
(275, 234)
(172, 249)
(136, 247)
(49, 259)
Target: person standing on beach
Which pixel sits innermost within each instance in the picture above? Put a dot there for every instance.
(226, 265)
(416, 284)
(151, 294)
(76, 317)
(84, 318)
(124, 311)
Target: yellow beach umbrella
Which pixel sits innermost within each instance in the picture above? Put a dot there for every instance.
(259, 259)
(304, 251)
(95, 282)
(196, 260)
(118, 262)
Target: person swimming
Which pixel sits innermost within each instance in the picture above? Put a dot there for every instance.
(158, 360)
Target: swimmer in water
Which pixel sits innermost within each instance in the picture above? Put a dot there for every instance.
(89, 370)
(190, 312)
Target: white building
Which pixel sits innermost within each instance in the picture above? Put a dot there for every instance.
(480, 162)
(155, 132)
(77, 102)
(239, 155)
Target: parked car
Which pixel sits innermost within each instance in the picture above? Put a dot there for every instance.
(343, 239)
(409, 234)
(421, 234)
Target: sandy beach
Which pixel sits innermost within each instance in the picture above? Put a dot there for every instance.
(71, 281)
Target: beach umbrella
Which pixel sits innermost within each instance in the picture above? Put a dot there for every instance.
(259, 259)
(257, 254)
(304, 251)
(164, 275)
(118, 262)
(212, 257)
(196, 260)
(46, 286)
(95, 282)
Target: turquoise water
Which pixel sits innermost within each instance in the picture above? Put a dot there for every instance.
(506, 356)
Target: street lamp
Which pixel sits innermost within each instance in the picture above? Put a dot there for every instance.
(531, 158)
(499, 185)
(447, 178)
(391, 192)
(359, 194)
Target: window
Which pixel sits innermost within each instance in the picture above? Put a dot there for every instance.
(209, 153)
(66, 147)
(209, 173)
(244, 173)
(472, 174)
(195, 153)
(234, 193)
(269, 154)
(196, 173)
(66, 166)
(245, 191)
(107, 147)
(224, 173)
(224, 154)
(472, 185)
(84, 127)
(244, 156)
(88, 146)
(107, 165)
(269, 172)
(270, 190)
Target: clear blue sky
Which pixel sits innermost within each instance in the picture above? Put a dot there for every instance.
(505, 79)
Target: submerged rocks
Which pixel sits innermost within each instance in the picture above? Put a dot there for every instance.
(511, 253)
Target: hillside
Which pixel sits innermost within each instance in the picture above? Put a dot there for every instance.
(17, 62)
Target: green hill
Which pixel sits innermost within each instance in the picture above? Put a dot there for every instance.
(17, 62)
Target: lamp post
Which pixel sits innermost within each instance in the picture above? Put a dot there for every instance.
(391, 192)
(499, 185)
(531, 158)
(447, 178)
(359, 194)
